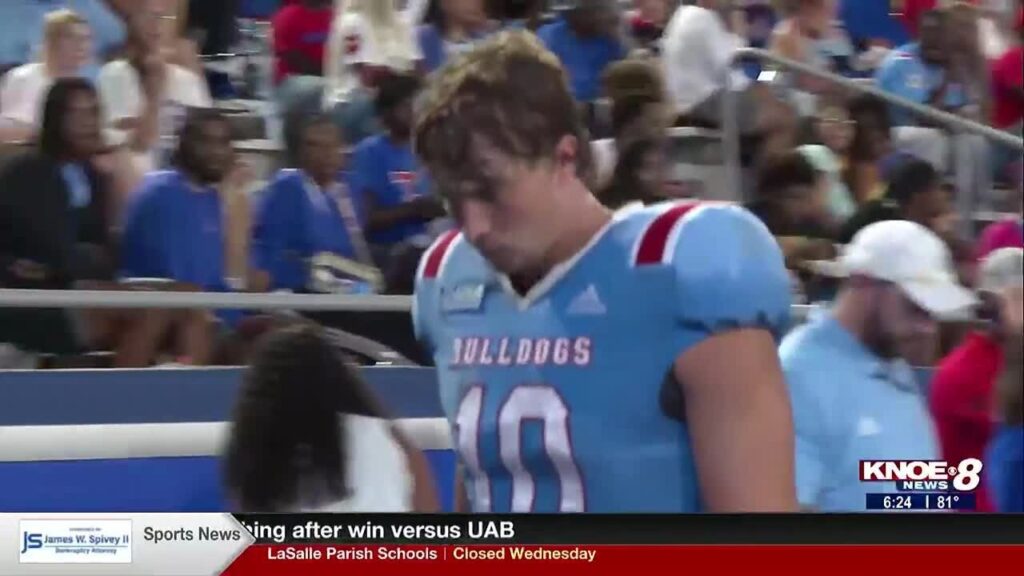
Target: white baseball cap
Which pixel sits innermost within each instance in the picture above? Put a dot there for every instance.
(1001, 269)
(913, 258)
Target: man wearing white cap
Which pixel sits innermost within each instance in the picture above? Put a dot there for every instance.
(854, 395)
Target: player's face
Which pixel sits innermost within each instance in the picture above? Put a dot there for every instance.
(515, 221)
(902, 329)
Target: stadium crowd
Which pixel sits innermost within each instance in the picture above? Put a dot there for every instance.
(122, 171)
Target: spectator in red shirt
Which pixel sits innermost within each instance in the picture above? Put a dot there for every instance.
(962, 392)
(1008, 102)
(1008, 80)
(300, 35)
(301, 32)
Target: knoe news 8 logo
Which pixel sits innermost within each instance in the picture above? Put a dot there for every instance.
(79, 541)
(924, 475)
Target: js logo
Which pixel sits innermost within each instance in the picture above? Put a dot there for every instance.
(31, 541)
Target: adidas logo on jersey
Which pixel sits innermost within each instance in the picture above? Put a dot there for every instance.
(868, 426)
(587, 303)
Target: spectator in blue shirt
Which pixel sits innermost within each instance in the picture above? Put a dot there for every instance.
(920, 72)
(391, 184)
(174, 228)
(926, 73)
(307, 223)
(452, 27)
(853, 391)
(586, 39)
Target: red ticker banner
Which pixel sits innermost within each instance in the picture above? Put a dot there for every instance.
(634, 560)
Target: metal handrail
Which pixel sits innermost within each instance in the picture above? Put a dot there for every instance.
(10, 298)
(206, 300)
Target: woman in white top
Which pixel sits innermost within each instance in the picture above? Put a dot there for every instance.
(368, 38)
(67, 50)
(145, 96)
(309, 436)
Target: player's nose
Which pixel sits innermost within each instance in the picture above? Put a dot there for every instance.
(476, 221)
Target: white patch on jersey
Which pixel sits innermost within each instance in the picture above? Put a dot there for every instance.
(868, 426)
(588, 303)
(463, 298)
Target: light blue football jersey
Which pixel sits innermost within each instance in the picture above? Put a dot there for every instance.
(555, 398)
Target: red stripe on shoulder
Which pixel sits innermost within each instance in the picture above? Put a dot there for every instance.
(654, 240)
(435, 258)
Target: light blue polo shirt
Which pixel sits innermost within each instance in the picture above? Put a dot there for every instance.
(904, 74)
(849, 405)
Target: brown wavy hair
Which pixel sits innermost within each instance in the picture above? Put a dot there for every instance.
(510, 92)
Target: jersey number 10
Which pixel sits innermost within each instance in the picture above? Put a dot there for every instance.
(527, 402)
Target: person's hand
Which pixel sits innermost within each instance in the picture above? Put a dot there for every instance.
(29, 270)
(153, 76)
(107, 161)
(816, 249)
(240, 176)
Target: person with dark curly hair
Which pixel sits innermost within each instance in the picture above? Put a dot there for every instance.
(307, 435)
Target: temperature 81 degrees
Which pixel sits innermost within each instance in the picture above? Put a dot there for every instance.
(952, 502)
(924, 475)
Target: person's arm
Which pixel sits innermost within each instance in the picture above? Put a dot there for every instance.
(739, 420)
(424, 494)
(35, 193)
(368, 181)
(737, 409)
(234, 192)
(461, 497)
(274, 250)
(132, 100)
(13, 129)
(380, 218)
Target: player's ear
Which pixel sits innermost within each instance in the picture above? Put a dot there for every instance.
(567, 154)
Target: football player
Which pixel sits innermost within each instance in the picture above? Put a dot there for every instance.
(592, 361)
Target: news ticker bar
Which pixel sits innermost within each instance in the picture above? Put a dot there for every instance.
(210, 544)
(883, 528)
(513, 560)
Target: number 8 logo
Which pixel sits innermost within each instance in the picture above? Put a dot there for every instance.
(968, 474)
(540, 403)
